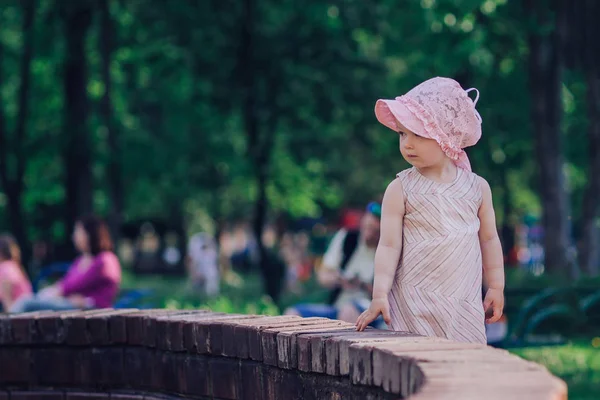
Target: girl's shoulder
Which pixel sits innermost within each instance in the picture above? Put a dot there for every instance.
(395, 190)
(474, 186)
(405, 174)
(405, 179)
(479, 182)
(107, 257)
(473, 178)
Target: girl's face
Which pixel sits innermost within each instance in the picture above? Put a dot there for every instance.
(418, 151)
(80, 238)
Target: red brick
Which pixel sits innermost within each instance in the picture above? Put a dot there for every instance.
(201, 332)
(137, 373)
(361, 361)
(156, 396)
(332, 351)
(225, 378)
(125, 396)
(37, 395)
(21, 327)
(268, 335)
(98, 325)
(383, 361)
(46, 329)
(247, 343)
(252, 380)
(169, 330)
(235, 335)
(272, 378)
(216, 335)
(167, 367)
(5, 336)
(53, 328)
(286, 341)
(135, 325)
(188, 330)
(159, 397)
(361, 364)
(101, 367)
(54, 366)
(292, 386)
(362, 337)
(325, 387)
(156, 363)
(282, 384)
(86, 396)
(311, 349)
(117, 327)
(149, 325)
(73, 326)
(195, 375)
(15, 366)
(396, 374)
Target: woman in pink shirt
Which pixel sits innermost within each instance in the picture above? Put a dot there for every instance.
(93, 279)
(14, 283)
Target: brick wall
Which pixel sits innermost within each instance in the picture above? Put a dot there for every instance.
(162, 354)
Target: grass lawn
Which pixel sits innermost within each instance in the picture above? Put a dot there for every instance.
(577, 363)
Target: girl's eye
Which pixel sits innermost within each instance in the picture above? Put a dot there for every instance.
(401, 133)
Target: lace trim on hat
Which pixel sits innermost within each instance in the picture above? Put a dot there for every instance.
(448, 147)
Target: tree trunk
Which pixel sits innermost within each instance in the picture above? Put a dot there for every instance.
(588, 248)
(77, 157)
(115, 182)
(259, 122)
(545, 73)
(247, 70)
(13, 182)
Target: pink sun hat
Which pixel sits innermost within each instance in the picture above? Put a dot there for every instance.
(438, 109)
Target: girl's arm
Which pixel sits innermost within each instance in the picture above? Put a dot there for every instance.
(387, 255)
(390, 241)
(491, 253)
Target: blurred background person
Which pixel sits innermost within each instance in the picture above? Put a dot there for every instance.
(14, 283)
(93, 279)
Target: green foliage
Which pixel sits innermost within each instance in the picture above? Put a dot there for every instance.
(176, 99)
(577, 363)
(317, 68)
(175, 293)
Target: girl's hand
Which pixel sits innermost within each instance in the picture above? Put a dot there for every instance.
(378, 306)
(494, 299)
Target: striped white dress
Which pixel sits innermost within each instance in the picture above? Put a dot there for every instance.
(437, 288)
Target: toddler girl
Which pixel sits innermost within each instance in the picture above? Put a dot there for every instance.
(438, 229)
